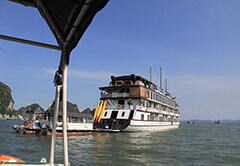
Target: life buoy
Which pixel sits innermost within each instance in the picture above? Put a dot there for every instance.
(119, 83)
(25, 123)
(119, 106)
(30, 124)
(107, 107)
(6, 159)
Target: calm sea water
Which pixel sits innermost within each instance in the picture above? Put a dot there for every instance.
(190, 145)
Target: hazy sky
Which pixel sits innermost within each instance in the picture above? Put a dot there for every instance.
(195, 41)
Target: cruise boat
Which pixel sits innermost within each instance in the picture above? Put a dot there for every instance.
(133, 103)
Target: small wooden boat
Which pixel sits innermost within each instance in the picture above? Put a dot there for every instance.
(10, 159)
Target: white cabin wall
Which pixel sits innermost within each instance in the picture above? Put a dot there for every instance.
(126, 106)
(135, 104)
(138, 115)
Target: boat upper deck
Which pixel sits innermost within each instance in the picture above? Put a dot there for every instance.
(136, 87)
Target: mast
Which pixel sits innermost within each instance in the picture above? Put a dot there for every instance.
(160, 81)
(150, 73)
(166, 91)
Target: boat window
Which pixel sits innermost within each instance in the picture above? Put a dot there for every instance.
(153, 116)
(123, 113)
(160, 107)
(155, 105)
(142, 116)
(114, 114)
(161, 118)
(105, 114)
(121, 102)
(150, 105)
(123, 90)
(131, 114)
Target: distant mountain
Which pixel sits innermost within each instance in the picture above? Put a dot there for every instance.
(211, 121)
(88, 111)
(72, 111)
(33, 111)
(229, 121)
(36, 112)
(70, 107)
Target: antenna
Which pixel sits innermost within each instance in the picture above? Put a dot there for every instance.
(160, 82)
(150, 73)
(166, 86)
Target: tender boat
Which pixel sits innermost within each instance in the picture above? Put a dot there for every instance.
(44, 127)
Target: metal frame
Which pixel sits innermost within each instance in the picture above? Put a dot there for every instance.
(54, 123)
(30, 42)
(64, 43)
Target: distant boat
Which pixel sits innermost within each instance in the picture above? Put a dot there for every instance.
(190, 122)
(217, 122)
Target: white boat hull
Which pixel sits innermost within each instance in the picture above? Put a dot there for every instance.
(136, 125)
(29, 164)
(78, 127)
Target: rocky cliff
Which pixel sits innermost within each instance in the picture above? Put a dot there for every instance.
(6, 104)
(6, 100)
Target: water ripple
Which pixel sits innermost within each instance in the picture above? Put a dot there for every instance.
(190, 145)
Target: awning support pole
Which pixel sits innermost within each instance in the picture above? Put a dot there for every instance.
(54, 124)
(64, 106)
(14, 39)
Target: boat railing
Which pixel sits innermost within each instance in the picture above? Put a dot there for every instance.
(115, 95)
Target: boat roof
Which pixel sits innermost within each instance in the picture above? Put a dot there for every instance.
(67, 19)
(134, 77)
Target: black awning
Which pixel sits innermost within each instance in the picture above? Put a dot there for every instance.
(68, 19)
